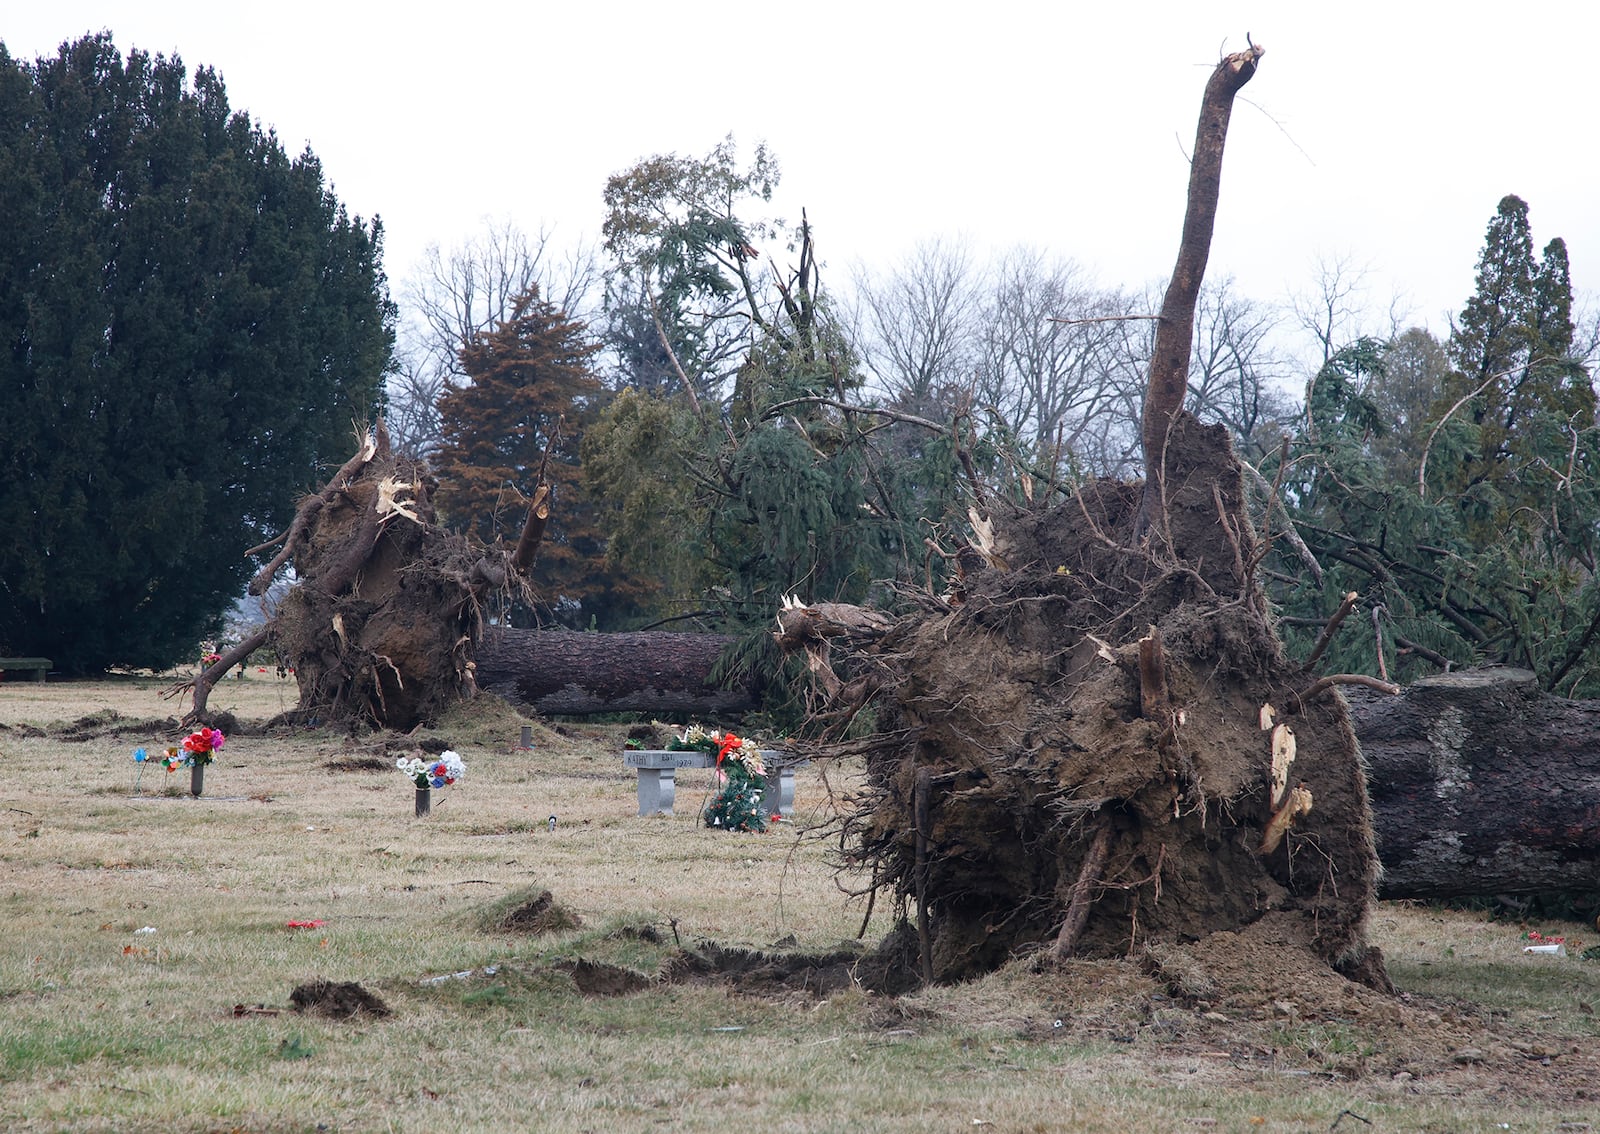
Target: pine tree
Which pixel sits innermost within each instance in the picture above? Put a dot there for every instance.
(531, 395)
(189, 322)
(1514, 380)
(1471, 532)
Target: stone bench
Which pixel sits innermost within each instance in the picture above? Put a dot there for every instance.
(658, 778)
(39, 666)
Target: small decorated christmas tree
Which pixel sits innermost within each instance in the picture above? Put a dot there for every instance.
(737, 806)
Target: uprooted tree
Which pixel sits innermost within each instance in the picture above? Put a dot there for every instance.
(387, 607)
(389, 621)
(1094, 738)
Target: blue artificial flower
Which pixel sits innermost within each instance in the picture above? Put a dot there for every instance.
(139, 756)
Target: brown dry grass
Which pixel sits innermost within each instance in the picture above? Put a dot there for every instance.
(105, 1028)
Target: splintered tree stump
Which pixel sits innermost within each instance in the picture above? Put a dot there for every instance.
(1169, 359)
(1483, 785)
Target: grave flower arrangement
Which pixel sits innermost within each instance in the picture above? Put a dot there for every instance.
(741, 772)
(202, 747)
(168, 761)
(446, 769)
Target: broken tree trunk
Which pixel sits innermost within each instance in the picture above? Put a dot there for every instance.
(562, 671)
(1482, 785)
(1169, 360)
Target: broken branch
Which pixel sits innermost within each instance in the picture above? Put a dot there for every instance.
(1345, 606)
(1094, 865)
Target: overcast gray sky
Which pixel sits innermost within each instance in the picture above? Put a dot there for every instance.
(1380, 132)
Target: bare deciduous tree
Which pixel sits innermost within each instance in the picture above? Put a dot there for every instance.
(916, 325)
(1054, 363)
(1235, 377)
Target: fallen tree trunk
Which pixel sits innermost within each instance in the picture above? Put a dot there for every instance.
(563, 671)
(1481, 784)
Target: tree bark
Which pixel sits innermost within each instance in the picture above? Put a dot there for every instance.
(1169, 360)
(1481, 784)
(562, 671)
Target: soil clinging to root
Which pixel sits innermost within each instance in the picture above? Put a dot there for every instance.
(1021, 713)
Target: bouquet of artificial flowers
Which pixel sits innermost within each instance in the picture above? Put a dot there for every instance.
(740, 770)
(441, 772)
(168, 761)
(202, 746)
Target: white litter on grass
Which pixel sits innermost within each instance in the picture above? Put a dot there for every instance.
(448, 976)
(146, 929)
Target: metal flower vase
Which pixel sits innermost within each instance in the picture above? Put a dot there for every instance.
(424, 801)
(197, 779)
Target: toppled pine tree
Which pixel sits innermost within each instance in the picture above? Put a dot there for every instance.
(388, 608)
(1095, 740)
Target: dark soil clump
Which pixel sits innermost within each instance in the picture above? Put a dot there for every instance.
(596, 978)
(338, 1000)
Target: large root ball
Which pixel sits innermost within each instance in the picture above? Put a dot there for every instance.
(1036, 784)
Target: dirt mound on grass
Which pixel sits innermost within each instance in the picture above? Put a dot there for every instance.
(1260, 1003)
(750, 972)
(756, 973)
(109, 722)
(1033, 767)
(540, 913)
(596, 978)
(337, 999)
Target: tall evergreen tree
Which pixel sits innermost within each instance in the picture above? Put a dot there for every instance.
(531, 394)
(1471, 530)
(1514, 379)
(189, 323)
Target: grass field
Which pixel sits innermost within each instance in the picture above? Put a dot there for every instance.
(146, 964)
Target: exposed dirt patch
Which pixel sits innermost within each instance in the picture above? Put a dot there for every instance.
(749, 972)
(595, 978)
(756, 973)
(109, 722)
(338, 1000)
